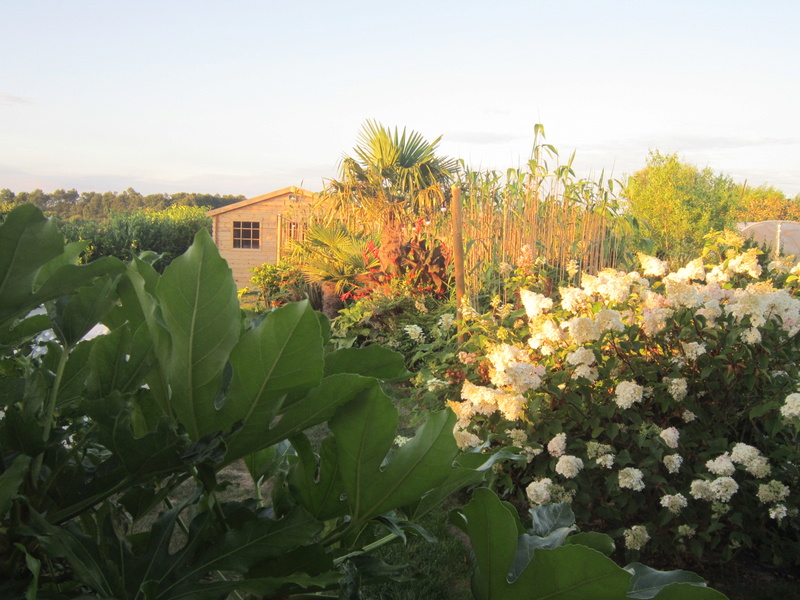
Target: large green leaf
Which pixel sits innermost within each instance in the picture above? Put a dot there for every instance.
(28, 241)
(11, 479)
(568, 573)
(118, 362)
(365, 430)
(318, 487)
(648, 582)
(201, 311)
(689, 591)
(74, 316)
(372, 361)
(273, 365)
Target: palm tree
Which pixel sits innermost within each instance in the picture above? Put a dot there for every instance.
(333, 258)
(393, 177)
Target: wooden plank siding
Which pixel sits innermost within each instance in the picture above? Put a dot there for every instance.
(287, 205)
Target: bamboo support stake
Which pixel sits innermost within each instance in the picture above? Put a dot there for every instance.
(458, 255)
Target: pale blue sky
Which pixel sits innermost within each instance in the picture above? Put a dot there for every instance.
(244, 97)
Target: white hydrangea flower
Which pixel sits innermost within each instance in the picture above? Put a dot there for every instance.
(746, 263)
(609, 320)
(751, 336)
(636, 537)
(586, 371)
(595, 449)
(751, 459)
(652, 266)
(692, 350)
(446, 322)
(538, 492)
(778, 512)
(774, 491)
(627, 394)
(558, 445)
(702, 490)
(535, 304)
(606, 460)
(572, 267)
(466, 439)
(722, 465)
(573, 299)
(415, 333)
(724, 488)
(583, 329)
(791, 406)
(569, 466)
(674, 503)
(670, 435)
(673, 462)
(677, 387)
(688, 416)
(545, 335)
(686, 531)
(631, 478)
(583, 356)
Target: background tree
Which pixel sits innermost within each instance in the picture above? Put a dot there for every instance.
(393, 178)
(680, 204)
(766, 203)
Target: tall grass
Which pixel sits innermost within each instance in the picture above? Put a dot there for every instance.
(543, 206)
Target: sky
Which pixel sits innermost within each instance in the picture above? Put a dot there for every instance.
(246, 96)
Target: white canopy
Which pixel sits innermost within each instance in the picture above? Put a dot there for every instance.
(784, 235)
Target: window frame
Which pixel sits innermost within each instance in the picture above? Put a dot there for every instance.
(253, 239)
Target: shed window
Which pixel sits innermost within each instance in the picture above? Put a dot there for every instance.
(247, 234)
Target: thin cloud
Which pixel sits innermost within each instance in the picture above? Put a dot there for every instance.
(480, 137)
(9, 100)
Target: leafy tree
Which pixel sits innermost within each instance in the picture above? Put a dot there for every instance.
(393, 175)
(766, 203)
(680, 203)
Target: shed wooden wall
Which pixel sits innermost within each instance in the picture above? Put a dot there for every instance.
(241, 260)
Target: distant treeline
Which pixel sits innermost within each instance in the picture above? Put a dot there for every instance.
(69, 205)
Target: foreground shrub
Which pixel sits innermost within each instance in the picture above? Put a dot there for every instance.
(97, 435)
(665, 408)
(550, 559)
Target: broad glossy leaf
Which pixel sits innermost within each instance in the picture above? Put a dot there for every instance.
(689, 591)
(11, 479)
(550, 517)
(568, 573)
(527, 544)
(201, 311)
(118, 361)
(279, 358)
(599, 541)
(317, 486)
(156, 452)
(371, 361)
(365, 430)
(28, 241)
(648, 582)
(73, 316)
(314, 408)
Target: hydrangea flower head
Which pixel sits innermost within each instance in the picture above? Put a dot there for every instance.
(636, 537)
(569, 466)
(632, 479)
(627, 394)
(558, 445)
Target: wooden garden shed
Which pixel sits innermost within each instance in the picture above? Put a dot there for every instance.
(257, 230)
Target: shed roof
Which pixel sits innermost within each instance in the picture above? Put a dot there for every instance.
(263, 198)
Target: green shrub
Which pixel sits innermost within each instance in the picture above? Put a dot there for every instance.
(655, 406)
(97, 435)
(168, 233)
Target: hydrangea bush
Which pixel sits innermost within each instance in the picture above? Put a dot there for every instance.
(663, 406)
